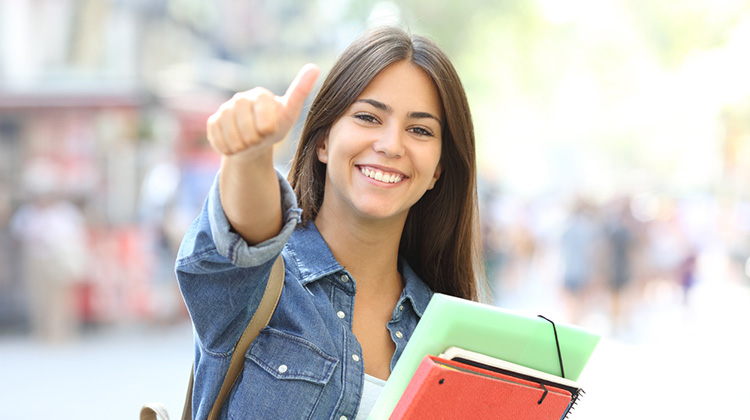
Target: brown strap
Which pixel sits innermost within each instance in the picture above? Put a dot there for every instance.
(187, 409)
(271, 296)
(259, 320)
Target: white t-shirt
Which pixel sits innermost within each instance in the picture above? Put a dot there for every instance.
(370, 393)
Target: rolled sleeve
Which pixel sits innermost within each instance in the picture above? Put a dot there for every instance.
(233, 247)
(221, 277)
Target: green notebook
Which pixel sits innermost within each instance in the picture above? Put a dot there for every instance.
(490, 330)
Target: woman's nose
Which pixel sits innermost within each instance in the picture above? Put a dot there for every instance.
(390, 143)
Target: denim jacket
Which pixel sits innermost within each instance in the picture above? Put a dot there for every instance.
(307, 363)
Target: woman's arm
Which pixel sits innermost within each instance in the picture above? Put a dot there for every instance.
(244, 130)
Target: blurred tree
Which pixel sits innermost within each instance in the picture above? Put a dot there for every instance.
(675, 29)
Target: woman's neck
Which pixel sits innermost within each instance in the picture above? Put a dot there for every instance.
(367, 249)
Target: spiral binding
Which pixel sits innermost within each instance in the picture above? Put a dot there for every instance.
(573, 403)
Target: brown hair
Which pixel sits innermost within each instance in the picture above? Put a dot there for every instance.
(441, 236)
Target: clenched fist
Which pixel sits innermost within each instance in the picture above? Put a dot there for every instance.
(256, 119)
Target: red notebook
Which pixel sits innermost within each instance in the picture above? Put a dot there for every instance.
(444, 389)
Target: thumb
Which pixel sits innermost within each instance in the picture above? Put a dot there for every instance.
(298, 90)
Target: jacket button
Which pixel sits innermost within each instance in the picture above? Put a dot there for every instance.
(340, 314)
(283, 369)
(343, 418)
(399, 334)
(344, 278)
(355, 357)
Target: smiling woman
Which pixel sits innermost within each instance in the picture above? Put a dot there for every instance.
(440, 245)
(385, 179)
(379, 140)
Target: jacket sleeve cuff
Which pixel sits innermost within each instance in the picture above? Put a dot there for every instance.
(232, 246)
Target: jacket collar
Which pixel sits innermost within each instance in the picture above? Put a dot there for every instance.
(318, 262)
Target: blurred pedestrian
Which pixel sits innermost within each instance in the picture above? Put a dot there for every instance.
(620, 236)
(52, 235)
(578, 254)
(686, 274)
(9, 284)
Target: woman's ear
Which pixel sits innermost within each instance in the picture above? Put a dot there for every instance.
(322, 150)
(435, 176)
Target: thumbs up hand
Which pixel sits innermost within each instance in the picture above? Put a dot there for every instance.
(257, 119)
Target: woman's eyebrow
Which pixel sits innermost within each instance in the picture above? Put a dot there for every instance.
(425, 115)
(387, 108)
(377, 104)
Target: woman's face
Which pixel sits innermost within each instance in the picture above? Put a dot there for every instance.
(383, 153)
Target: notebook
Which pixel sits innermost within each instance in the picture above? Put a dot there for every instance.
(446, 389)
(515, 337)
(485, 362)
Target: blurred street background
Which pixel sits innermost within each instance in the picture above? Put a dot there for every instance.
(614, 153)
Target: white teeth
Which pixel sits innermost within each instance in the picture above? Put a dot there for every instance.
(380, 176)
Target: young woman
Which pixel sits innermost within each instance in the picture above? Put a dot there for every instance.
(385, 180)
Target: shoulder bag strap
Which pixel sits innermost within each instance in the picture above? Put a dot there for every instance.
(259, 320)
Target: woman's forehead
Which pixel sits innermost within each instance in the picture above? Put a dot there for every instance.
(404, 86)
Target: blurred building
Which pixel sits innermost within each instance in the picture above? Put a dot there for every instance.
(116, 93)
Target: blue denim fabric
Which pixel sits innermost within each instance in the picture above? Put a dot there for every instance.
(307, 363)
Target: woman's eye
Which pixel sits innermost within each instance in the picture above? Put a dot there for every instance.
(421, 131)
(366, 118)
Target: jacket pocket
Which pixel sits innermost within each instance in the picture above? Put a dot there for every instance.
(284, 377)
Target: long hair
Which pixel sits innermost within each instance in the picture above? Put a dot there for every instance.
(441, 236)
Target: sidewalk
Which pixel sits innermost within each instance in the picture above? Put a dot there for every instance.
(684, 363)
(104, 376)
(678, 363)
